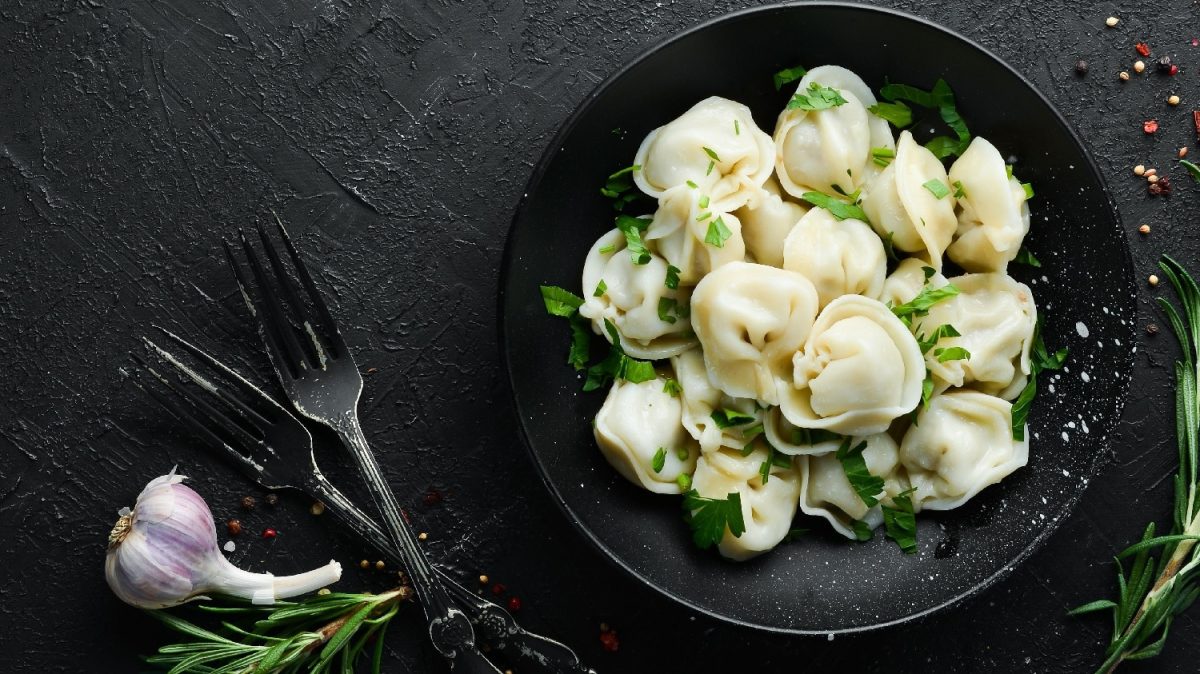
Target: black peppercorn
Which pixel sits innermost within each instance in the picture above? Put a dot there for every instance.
(247, 503)
(1081, 67)
(1151, 329)
(272, 499)
(1164, 65)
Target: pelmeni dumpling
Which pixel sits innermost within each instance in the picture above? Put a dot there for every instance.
(767, 509)
(840, 257)
(960, 444)
(994, 218)
(899, 204)
(826, 492)
(680, 234)
(635, 422)
(829, 150)
(996, 317)
(859, 369)
(716, 145)
(750, 319)
(631, 300)
(767, 218)
(792, 440)
(699, 399)
(906, 282)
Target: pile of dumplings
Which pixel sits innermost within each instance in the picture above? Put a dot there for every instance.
(788, 319)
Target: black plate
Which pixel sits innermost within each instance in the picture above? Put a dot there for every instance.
(823, 584)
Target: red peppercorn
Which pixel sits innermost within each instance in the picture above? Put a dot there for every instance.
(1196, 42)
(269, 533)
(498, 589)
(1142, 48)
(1174, 70)
(514, 603)
(1150, 125)
(234, 527)
(609, 640)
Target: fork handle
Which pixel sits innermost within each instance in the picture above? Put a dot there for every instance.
(493, 621)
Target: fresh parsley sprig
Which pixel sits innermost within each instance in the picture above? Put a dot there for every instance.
(900, 521)
(839, 209)
(1154, 592)
(633, 228)
(1040, 360)
(565, 304)
(320, 633)
(816, 97)
(788, 75)
(925, 300)
(617, 365)
(941, 98)
(619, 187)
(867, 486)
(710, 517)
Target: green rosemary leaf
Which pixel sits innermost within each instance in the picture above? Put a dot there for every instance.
(1098, 605)
(1192, 169)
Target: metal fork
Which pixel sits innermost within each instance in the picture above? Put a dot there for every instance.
(274, 449)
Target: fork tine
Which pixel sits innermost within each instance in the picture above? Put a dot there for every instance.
(289, 291)
(332, 335)
(239, 382)
(271, 314)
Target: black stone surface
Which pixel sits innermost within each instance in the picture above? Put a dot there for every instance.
(395, 138)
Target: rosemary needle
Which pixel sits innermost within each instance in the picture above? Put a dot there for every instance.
(1155, 592)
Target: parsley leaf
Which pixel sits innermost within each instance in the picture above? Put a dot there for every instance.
(901, 523)
(889, 247)
(565, 304)
(710, 517)
(605, 250)
(923, 302)
(601, 288)
(940, 97)
(560, 302)
(1020, 408)
(787, 76)
(632, 228)
(836, 207)
(896, 113)
(937, 188)
(717, 233)
(959, 192)
(618, 185)
(581, 342)
(1041, 359)
(672, 388)
(1028, 190)
(862, 530)
(660, 460)
(692, 184)
(703, 203)
(943, 330)
(737, 128)
(727, 418)
(672, 281)
(867, 486)
(817, 97)
(1026, 257)
(951, 353)
(904, 92)
(617, 365)
(812, 436)
(882, 155)
(667, 305)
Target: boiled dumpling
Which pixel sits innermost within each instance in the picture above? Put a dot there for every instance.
(859, 369)
(682, 233)
(700, 399)
(840, 257)
(716, 145)
(996, 317)
(826, 492)
(994, 217)
(766, 221)
(792, 440)
(750, 319)
(767, 509)
(961, 443)
(829, 150)
(630, 299)
(899, 204)
(906, 282)
(635, 422)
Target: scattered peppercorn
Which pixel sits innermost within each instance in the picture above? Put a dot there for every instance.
(272, 499)
(317, 508)
(1153, 280)
(1111, 21)
(1151, 329)
(1142, 48)
(609, 640)
(1173, 70)
(1164, 65)
(498, 589)
(1152, 178)
(364, 564)
(1139, 170)
(1183, 152)
(1150, 125)
(247, 503)
(1172, 100)
(1139, 66)
(514, 603)
(422, 536)
(372, 370)
(483, 579)
(1144, 229)
(1081, 67)
(234, 526)
(269, 533)
(1150, 173)
(379, 566)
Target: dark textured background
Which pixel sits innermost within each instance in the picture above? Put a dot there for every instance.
(396, 138)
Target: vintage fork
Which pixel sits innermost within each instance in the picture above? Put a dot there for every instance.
(272, 448)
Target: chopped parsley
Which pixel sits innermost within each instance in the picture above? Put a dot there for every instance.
(711, 154)
(787, 76)
(862, 530)
(926, 392)
(601, 288)
(940, 97)
(775, 459)
(812, 436)
(889, 247)
(605, 250)
(1028, 190)
(737, 128)
(708, 171)
(941, 331)
(727, 418)
(560, 302)
(867, 486)
(1026, 257)
(923, 302)
(749, 434)
(703, 201)
(704, 216)
(682, 454)
(617, 365)
(672, 280)
(684, 481)
(666, 307)
(660, 460)
(959, 192)
(618, 187)
(882, 155)
(710, 517)
(1041, 359)
(632, 228)
(836, 207)
(900, 522)
(816, 97)
(692, 184)
(937, 188)
(950, 353)
(717, 233)
(896, 113)
(672, 388)
(565, 304)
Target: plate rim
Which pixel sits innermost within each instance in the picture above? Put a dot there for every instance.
(549, 153)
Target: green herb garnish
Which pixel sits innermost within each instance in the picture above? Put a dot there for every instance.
(940, 97)
(1026, 257)
(787, 76)
(618, 185)
(1028, 190)
(897, 113)
(672, 388)
(1192, 169)
(882, 156)
(812, 436)
(737, 128)
(900, 522)
(703, 202)
(660, 460)
(1040, 359)
(684, 481)
(605, 250)
(959, 191)
(565, 304)
(889, 246)
(867, 486)
(924, 301)
(727, 418)
(666, 307)
(836, 207)
(632, 228)
(710, 517)
(937, 188)
(711, 154)
(672, 280)
(717, 233)
(945, 355)
(692, 184)
(617, 365)
(816, 97)
(862, 531)
(601, 288)
(941, 331)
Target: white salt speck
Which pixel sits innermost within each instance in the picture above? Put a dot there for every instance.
(1105, 309)
(1070, 424)
(1066, 438)
(1052, 388)
(1045, 279)
(1081, 329)
(1083, 424)
(1065, 473)
(1084, 376)
(1117, 342)
(230, 546)
(829, 636)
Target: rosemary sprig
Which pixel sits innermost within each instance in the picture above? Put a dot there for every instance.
(1155, 592)
(322, 633)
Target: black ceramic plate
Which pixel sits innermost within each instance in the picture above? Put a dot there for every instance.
(822, 583)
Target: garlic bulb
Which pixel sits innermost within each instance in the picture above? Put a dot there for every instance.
(164, 553)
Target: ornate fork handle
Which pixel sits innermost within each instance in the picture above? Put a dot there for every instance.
(495, 622)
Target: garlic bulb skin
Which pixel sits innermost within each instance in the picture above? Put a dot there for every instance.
(164, 553)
